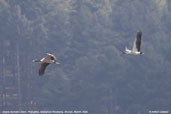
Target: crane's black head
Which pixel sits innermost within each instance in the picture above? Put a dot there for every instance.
(52, 58)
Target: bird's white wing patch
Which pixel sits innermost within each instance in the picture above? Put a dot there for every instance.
(134, 48)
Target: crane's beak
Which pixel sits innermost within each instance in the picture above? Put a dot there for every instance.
(56, 62)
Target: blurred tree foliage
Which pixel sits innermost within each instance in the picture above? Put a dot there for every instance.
(87, 37)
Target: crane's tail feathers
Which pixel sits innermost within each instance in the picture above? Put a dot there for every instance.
(126, 48)
(35, 60)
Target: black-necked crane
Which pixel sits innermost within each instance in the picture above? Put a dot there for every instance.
(44, 62)
(136, 46)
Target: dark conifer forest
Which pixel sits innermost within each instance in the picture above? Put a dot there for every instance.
(87, 37)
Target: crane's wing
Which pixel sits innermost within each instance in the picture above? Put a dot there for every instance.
(42, 68)
(137, 42)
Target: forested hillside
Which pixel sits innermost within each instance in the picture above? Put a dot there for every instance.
(87, 37)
